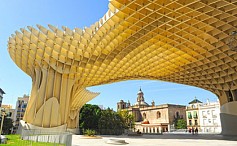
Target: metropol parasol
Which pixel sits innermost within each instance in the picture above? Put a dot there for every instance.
(189, 42)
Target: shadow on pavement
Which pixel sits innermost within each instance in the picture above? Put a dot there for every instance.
(179, 136)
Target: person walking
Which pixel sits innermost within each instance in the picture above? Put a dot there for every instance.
(192, 130)
(196, 130)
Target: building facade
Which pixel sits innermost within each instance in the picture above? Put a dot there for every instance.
(192, 112)
(210, 117)
(152, 118)
(21, 105)
(9, 111)
(1, 96)
(204, 116)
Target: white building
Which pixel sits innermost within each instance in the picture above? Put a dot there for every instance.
(1, 96)
(21, 105)
(204, 116)
(209, 116)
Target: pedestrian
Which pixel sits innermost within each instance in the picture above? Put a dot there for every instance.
(192, 130)
(138, 132)
(196, 130)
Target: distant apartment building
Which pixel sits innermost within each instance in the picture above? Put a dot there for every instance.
(152, 118)
(210, 117)
(193, 114)
(21, 105)
(9, 111)
(204, 116)
(1, 96)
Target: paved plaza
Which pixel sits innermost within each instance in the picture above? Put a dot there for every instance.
(160, 140)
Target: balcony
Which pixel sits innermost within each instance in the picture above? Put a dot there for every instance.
(214, 116)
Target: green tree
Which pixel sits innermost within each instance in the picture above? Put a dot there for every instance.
(7, 125)
(89, 117)
(181, 124)
(128, 119)
(111, 123)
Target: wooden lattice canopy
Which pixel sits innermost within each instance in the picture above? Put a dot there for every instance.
(182, 41)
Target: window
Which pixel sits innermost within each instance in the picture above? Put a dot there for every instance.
(204, 114)
(196, 123)
(189, 115)
(190, 122)
(24, 105)
(209, 121)
(158, 115)
(195, 114)
(214, 115)
(204, 121)
(144, 115)
(177, 114)
(208, 112)
(215, 122)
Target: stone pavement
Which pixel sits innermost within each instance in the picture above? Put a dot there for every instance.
(161, 140)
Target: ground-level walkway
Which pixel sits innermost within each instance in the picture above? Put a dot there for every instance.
(160, 140)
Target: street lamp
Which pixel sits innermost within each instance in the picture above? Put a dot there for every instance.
(233, 41)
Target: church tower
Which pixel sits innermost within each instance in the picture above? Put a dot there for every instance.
(140, 99)
(121, 105)
(140, 96)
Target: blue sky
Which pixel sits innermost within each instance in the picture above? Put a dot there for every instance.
(16, 14)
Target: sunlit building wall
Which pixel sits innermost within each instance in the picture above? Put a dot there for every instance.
(192, 113)
(21, 105)
(153, 118)
(9, 111)
(210, 117)
(204, 116)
